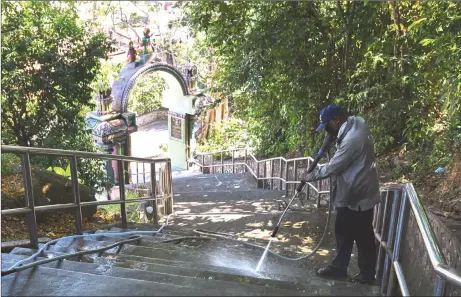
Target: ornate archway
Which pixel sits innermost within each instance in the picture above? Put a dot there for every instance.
(177, 85)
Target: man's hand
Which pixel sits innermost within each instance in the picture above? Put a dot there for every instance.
(305, 177)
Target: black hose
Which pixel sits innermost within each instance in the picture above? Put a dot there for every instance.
(130, 239)
(76, 254)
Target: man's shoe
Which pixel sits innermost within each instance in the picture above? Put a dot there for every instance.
(332, 273)
(364, 279)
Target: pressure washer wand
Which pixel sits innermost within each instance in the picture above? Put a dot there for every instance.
(325, 148)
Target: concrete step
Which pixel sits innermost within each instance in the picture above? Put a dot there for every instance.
(223, 196)
(167, 232)
(83, 244)
(308, 282)
(45, 281)
(214, 182)
(236, 287)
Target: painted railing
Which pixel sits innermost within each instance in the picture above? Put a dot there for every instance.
(273, 173)
(390, 223)
(162, 194)
(390, 220)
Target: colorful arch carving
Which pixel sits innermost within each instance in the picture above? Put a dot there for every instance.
(130, 74)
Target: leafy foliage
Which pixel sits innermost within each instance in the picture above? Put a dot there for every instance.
(49, 60)
(227, 135)
(146, 95)
(394, 63)
(48, 63)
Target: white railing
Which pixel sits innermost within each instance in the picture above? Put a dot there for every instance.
(272, 173)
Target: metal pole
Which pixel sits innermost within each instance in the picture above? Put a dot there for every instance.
(144, 172)
(295, 174)
(244, 166)
(318, 194)
(212, 164)
(153, 187)
(233, 161)
(389, 244)
(257, 173)
(272, 175)
(30, 203)
(383, 235)
(439, 286)
(202, 168)
(401, 226)
(280, 174)
(265, 174)
(137, 172)
(222, 163)
(121, 186)
(286, 178)
(76, 193)
(170, 187)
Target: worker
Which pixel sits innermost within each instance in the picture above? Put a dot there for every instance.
(357, 192)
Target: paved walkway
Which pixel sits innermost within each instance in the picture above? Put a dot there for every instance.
(147, 140)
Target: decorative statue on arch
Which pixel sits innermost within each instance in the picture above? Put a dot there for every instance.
(145, 46)
(131, 56)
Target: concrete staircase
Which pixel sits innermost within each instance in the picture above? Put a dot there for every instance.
(193, 267)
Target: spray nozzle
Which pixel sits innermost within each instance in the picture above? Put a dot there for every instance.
(275, 231)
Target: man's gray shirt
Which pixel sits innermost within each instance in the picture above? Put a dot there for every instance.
(354, 166)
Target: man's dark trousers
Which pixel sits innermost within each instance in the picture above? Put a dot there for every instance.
(355, 226)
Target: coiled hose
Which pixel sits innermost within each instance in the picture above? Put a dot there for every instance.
(133, 236)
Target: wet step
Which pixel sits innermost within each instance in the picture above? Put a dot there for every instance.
(45, 281)
(305, 282)
(167, 231)
(236, 287)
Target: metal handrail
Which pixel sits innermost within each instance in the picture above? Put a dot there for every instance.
(389, 226)
(30, 209)
(248, 153)
(389, 223)
(70, 153)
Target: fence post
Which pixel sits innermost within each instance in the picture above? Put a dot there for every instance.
(121, 187)
(170, 188)
(265, 174)
(30, 203)
(286, 178)
(257, 173)
(76, 193)
(212, 164)
(202, 168)
(272, 174)
(153, 186)
(143, 173)
(318, 194)
(245, 161)
(401, 226)
(382, 225)
(233, 161)
(295, 175)
(222, 163)
(280, 174)
(390, 243)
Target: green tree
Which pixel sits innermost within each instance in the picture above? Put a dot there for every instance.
(49, 60)
(395, 63)
(48, 63)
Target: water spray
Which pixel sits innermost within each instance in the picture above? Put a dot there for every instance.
(325, 147)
